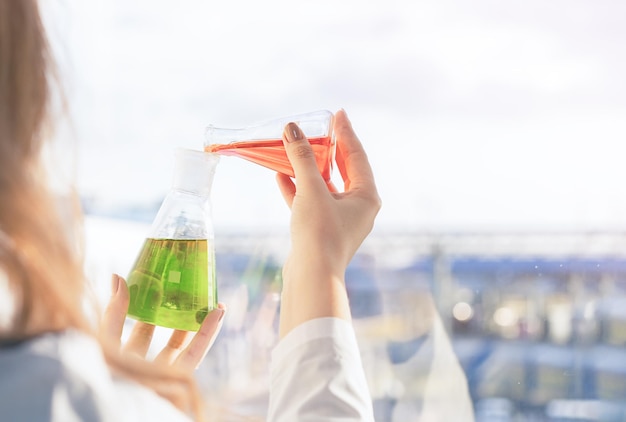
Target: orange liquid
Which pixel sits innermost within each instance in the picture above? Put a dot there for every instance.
(271, 153)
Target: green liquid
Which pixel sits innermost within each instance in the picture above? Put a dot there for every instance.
(172, 283)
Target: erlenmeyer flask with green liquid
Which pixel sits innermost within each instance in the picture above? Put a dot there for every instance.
(172, 283)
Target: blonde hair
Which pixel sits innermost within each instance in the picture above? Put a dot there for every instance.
(44, 271)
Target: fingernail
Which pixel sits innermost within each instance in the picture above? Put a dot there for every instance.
(293, 132)
(222, 313)
(115, 284)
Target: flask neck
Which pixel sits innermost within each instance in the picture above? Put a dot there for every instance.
(194, 171)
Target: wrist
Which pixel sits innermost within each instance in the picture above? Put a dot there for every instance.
(323, 261)
(312, 274)
(312, 289)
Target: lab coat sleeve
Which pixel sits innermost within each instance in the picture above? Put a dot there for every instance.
(316, 374)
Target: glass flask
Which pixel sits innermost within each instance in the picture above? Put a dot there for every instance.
(262, 143)
(172, 283)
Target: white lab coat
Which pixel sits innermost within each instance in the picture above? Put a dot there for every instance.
(62, 377)
(317, 375)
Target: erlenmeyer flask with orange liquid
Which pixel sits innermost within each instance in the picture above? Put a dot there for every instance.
(262, 143)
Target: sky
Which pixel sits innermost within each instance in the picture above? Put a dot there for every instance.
(476, 116)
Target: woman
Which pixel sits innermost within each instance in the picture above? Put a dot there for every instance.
(57, 364)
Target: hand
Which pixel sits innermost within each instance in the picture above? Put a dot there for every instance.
(182, 350)
(327, 227)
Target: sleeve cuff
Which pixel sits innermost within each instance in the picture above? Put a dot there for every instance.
(329, 327)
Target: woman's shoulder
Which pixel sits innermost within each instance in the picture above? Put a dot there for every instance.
(51, 376)
(63, 376)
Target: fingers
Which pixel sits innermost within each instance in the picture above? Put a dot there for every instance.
(351, 158)
(115, 313)
(301, 157)
(175, 345)
(139, 340)
(182, 349)
(192, 355)
(287, 188)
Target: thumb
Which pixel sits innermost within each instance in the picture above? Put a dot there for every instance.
(112, 321)
(301, 155)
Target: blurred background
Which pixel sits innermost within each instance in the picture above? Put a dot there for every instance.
(495, 131)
